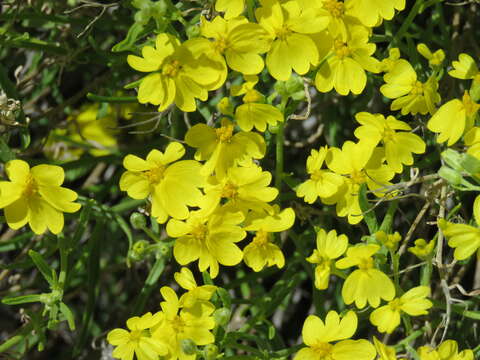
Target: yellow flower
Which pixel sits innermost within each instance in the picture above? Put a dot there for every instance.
(35, 196)
(422, 249)
(414, 303)
(384, 352)
(367, 283)
(322, 183)
(464, 238)
(180, 324)
(289, 25)
(389, 240)
(195, 294)
(221, 148)
(371, 12)
(171, 187)
(389, 63)
(209, 238)
(359, 164)
(344, 68)
(454, 118)
(465, 68)
(243, 188)
(399, 146)
(236, 42)
(412, 96)
(252, 113)
(231, 8)
(447, 350)
(329, 247)
(138, 340)
(434, 59)
(318, 336)
(340, 18)
(261, 251)
(177, 74)
(472, 140)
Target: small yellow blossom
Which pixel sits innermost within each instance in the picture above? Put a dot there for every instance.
(411, 95)
(181, 323)
(222, 148)
(243, 187)
(262, 251)
(358, 163)
(414, 303)
(389, 63)
(422, 249)
(171, 187)
(289, 25)
(177, 75)
(253, 113)
(329, 247)
(322, 183)
(389, 240)
(447, 350)
(344, 68)
(209, 238)
(138, 340)
(434, 59)
(318, 337)
(472, 140)
(35, 196)
(367, 283)
(453, 118)
(465, 68)
(399, 145)
(194, 293)
(464, 238)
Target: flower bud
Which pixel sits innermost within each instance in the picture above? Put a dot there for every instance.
(188, 347)
(222, 316)
(138, 221)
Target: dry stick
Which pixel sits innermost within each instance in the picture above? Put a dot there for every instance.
(87, 3)
(309, 104)
(414, 225)
(441, 269)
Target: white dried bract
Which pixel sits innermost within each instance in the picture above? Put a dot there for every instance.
(8, 110)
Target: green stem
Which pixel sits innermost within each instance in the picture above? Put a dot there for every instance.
(11, 342)
(150, 283)
(250, 10)
(408, 21)
(426, 273)
(279, 157)
(111, 99)
(63, 262)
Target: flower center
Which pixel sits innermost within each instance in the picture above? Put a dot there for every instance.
(334, 7)
(31, 187)
(365, 263)
(177, 324)
(388, 134)
(395, 304)
(172, 68)
(341, 49)
(155, 175)
(252, 96)
(220, 45)
(358, 177)
(229, 191)
(261, 238)
(323, 350)
(224, 133)
(417, 88)
(283, 32)
(200, 232)
(317, 175)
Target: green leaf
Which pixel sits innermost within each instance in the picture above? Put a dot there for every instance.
(15, 300)
(6, 154)
(129, 41)
(368, 213)
(65, 310)
(47, 272)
